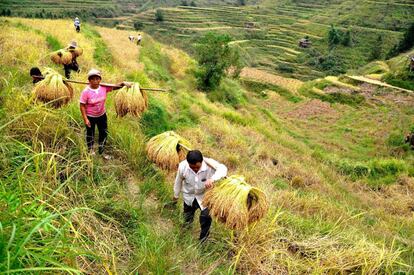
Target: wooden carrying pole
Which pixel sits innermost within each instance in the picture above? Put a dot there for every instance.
(105, 84)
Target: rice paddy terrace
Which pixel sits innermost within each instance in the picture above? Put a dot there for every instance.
(269, 33)
(329, 154)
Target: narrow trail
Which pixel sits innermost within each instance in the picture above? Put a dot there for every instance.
(125, 52)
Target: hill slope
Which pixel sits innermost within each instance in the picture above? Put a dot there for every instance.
(268, 33)
(329, 155)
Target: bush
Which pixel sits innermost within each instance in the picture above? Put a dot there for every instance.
(347, 39)
(406, 43)
(229, 92)
(159, 15)
(403, 79)
(377, 49)
(214, 56)
(138, 25)
(334, 36)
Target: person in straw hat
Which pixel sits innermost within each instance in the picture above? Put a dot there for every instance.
(194, 176)
(73, 65)
(77, 24)
(92, 107)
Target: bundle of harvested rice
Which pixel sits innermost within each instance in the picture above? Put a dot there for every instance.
(53, 89)
(56, 56)
(167, 149)
(66, 57)
(131, 100)
(236, 203)
(78, 51)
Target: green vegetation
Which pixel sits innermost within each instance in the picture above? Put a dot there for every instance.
(214, 56)
(159, 16)
(406, 43)
(329, 156)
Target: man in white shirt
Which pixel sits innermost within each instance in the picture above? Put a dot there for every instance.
(194, 176)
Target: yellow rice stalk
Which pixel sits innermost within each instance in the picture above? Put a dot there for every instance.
(236, 203)
(53, 89)
(166, 151)
(131, 100)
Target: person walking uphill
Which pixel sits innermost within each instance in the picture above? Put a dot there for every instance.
(77, 24)
(194, 176)
(92, 107)
(73, 65)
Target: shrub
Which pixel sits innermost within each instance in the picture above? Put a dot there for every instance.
(347, 39)
(214, 57)
(406, 43)
(159, 15)
(228, 92)
(376, 52)
(334, 36)
(138, 25)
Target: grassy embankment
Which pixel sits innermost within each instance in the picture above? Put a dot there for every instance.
(337, 175)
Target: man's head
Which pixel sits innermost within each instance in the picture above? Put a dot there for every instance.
(94, 77)
(35, 71)
(195, 159)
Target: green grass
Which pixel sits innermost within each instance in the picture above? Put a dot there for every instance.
(63, 210)
(102, 54)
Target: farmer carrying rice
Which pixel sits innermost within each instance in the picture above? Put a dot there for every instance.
(73, 65)
(139, 38)
(194, 176)
(92, 107)
(76, 23)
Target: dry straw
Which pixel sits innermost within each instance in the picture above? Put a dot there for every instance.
(64, 56)
(131, 100)
(167, 149)
(236, 203)
(53, 89)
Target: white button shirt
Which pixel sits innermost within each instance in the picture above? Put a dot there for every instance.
(191, 184)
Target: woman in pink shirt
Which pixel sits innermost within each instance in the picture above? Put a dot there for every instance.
(92, 106)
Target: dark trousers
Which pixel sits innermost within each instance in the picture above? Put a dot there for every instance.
(70, 67)
(102, 123)
(205, 219)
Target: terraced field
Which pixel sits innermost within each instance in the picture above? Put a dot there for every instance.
(268, 34)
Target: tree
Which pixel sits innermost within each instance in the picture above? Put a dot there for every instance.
(376, 52)
(214, 57)
(241, 2)
(159, 16)
(138, 25)
(193, 4)
(334, 36)
(184, 3)
(406, 43)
